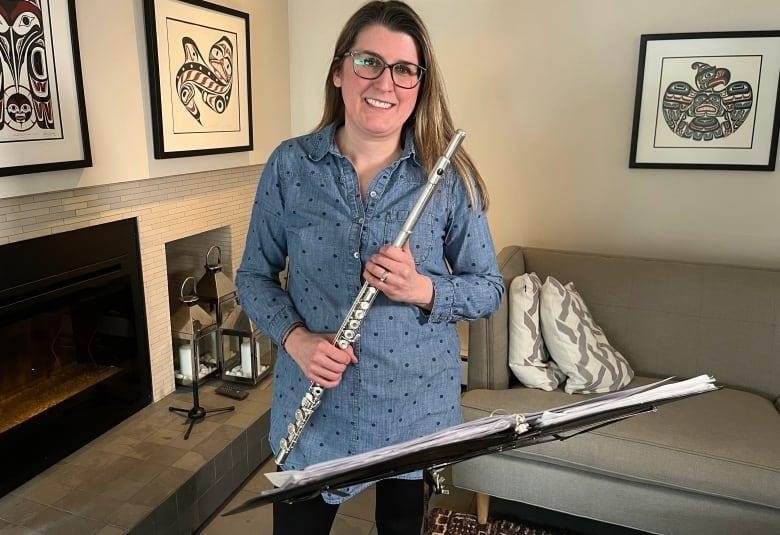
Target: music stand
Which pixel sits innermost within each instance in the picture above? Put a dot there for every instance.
(192, 326)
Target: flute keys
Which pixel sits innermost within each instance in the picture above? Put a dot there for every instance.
(359, 314)
(349, 334)
(343, 344)
(291, 429)
(353, 324)
(283, 444)
(298, 416)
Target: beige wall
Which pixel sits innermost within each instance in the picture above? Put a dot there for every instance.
(545, 90)
(116, 87)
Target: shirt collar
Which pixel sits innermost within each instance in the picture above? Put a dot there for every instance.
(321, 142)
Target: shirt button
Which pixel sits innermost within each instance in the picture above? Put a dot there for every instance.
(373, 194)
(356, 254)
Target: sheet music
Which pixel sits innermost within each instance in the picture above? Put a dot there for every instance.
(657, 391)
(478, 428)
(482, 427)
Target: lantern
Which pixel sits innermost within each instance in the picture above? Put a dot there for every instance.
(215, 288)
(194, 333)
(247, 353)
(195, 346)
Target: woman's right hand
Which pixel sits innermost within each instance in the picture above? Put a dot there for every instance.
(321, 361)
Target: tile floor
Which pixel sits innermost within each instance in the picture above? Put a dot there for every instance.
(356, 516)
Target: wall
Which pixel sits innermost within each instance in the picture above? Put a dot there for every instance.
(545, 91)
(116, 86)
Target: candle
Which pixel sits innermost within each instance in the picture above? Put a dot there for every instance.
(185, 361)
(246, 359)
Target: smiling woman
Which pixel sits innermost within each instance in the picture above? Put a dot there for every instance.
(327, 207)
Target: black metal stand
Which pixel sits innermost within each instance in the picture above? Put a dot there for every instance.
(197, 413)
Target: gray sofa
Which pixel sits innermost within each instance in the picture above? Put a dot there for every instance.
(706, 464)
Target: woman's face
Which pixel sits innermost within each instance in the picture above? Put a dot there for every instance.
(377, 108)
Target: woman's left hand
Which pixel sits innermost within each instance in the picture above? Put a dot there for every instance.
(393, 272)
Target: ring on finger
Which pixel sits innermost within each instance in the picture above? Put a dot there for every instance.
(383, 276)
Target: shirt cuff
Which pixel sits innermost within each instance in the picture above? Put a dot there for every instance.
(443, 299)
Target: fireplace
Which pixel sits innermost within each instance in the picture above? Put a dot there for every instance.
(74, 354)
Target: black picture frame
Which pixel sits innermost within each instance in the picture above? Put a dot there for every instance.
(707, 100)
(199, 78)
(43, 123)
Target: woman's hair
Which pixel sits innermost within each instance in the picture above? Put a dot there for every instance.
(433, 127)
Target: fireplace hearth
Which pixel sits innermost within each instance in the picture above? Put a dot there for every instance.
(74, 355)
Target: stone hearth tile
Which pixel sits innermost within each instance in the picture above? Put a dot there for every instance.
(91, 458)
(120, 488)
(241, 419)
(54, 521)
(174, 436)
(43, 490)
(110, 530)
(119, 444)
(216, 442)
(128, 515)
(17, 510)
(88, 504)
(159, 453)
(192, 461)
(70, 475)
(161, 487)
(140, 471)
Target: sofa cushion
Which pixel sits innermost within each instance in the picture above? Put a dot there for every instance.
(528, 358)
(721, 444)
(577, 344)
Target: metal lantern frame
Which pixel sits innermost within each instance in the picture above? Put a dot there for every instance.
(243, 343)
(216, 289)
(193, 332)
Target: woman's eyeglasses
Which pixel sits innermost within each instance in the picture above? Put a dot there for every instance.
(370, 67)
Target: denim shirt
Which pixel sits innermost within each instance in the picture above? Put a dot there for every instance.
(308, 211)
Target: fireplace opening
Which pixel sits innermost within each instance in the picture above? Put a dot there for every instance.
(74, 359)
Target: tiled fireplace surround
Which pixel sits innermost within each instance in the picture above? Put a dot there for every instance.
(167, 209)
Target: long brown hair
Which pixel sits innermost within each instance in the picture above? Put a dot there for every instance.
(433, 126)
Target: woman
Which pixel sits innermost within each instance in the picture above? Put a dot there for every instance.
(328, 203)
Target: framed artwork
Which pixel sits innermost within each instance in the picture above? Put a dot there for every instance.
(199, 78)
(43, 123)
(707, 101)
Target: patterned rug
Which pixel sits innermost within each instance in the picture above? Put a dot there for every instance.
(446, 522)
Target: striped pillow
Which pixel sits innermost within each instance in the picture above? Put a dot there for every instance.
(577, 344)
(528, 359)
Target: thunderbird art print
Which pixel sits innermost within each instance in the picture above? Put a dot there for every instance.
(707, 101)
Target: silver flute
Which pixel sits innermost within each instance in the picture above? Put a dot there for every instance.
(348, 332)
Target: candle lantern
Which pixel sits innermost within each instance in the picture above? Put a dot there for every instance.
(247, 352)
(195, 347)
(194, 333)
(216, 289)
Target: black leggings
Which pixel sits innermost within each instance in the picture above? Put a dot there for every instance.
(399, 511)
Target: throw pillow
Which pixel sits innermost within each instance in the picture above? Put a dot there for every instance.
(577, 344)
(528, 358)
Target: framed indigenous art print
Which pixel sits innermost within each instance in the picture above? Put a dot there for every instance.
(707, 101)
(43, 124)
(199, 78)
